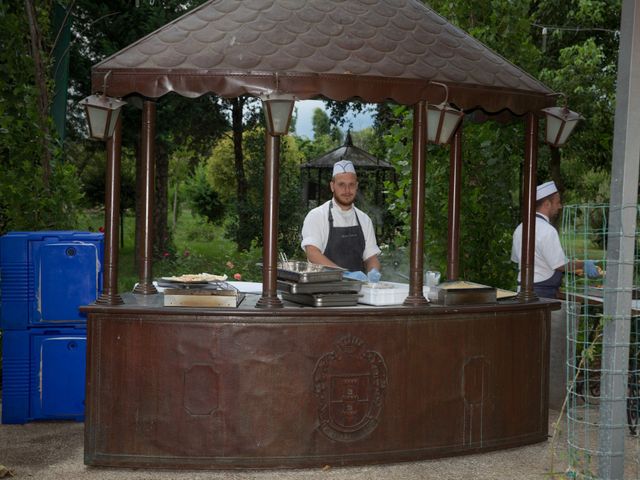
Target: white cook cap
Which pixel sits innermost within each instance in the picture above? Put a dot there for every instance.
(343, 166)
(545, 190)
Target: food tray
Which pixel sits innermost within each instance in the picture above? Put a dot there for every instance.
(219, 285)
(305, 272)
(464, 293)
(345, 285)
(323, 299)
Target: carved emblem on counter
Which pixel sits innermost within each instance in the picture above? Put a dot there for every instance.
(350, 384)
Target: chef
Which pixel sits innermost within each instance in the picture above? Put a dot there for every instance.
(549, 262)
(338, 234)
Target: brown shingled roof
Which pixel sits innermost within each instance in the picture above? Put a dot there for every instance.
(369, 49)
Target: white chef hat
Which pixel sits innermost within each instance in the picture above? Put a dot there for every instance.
(545, 190)
(343, 166)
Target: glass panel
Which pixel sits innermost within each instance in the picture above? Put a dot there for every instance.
(280, 115)
(433, 118)
(97, 121)
(553, 126)
(568, 128)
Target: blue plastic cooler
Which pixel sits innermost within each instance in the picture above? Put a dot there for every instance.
(43, 374)
(46, 276)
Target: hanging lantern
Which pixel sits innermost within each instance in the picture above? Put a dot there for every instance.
(102, 113)
(560, 123)
(442, 120)
(278, 108)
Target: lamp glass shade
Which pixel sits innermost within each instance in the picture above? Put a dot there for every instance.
(278, 114)
(560, 124)
(442, 121)
(102, 113)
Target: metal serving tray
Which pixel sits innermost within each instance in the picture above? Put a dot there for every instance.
(346, 285)
(323, 299)
(464, 293)
(305, 272)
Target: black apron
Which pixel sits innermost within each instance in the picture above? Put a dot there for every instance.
(345, 245)
(548, 288)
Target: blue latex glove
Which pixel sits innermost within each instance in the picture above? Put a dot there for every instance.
(360, 276)
(590, 269)
(374, 275)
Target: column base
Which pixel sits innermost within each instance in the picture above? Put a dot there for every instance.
(415, 301)
(110, 299)
(526, 296)
(145, 289)
(269, 302)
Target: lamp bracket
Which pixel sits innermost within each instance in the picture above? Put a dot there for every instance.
(446, 91)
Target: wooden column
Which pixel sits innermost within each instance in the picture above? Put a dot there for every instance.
(416, 260)
(111, 226)
(145, 283)
(455, 182)
(271, 200)
(529, 210)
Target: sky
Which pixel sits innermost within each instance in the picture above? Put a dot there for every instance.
(305, 110)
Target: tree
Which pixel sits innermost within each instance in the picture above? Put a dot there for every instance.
(37, 190)
(580, 61)
(222, 177)
(103, 28)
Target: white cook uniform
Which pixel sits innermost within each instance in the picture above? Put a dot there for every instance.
(549, 254)
(315, 229)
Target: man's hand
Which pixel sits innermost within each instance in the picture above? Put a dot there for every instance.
(590, 269)
(373, 275)
(360, 276)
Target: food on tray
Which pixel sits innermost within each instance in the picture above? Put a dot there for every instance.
(196, 277)
(460, 284)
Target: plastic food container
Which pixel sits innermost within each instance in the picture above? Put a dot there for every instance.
(385, 293)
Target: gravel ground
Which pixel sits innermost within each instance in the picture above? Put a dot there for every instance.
(54, 450)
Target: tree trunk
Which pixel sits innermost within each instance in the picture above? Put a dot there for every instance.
(175, 207)
(41, 84)
(163, 241)
(554, 167)
(242, 241)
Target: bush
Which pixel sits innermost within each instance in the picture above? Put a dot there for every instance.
(202, 198)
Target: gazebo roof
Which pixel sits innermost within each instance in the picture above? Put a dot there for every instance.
(348, 151)
(373, 50)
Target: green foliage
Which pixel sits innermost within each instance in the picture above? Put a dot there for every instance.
(221, 175)
(594, 98)
(502, 25)
(26, 202)
(202, 198)
(92, 164)
(488, 205)
(321, 123)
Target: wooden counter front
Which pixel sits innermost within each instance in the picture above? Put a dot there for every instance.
(297, 387)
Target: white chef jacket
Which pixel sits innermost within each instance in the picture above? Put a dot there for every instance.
(549, 254)
(315, 229)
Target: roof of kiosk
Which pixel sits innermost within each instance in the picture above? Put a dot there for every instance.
(374, 50)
